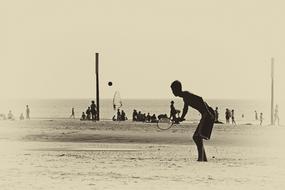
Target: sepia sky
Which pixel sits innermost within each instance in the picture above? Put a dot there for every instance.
(218, 49)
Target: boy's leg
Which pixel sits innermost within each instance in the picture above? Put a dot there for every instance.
(200, 147)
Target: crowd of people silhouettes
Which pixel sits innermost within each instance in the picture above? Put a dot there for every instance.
(120, 116)
(10, 115)
(138, 116)
(90, 113)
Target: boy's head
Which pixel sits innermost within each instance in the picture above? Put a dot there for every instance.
(172, 102)
(176, 87)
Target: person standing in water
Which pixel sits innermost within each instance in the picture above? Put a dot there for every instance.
(256, 115)
(276, 115)
(72, 113)
(27, 112)
(93, 111)
(204, 129)
(217, 115)
(233, 117)
(228, 115)
(261, 118)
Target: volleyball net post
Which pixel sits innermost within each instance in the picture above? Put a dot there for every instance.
(97, 85)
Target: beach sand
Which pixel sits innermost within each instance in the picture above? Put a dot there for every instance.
(70, 154)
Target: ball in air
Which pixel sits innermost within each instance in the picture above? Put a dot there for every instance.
(110, 83)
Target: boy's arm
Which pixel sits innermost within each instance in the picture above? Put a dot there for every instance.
(185, 110)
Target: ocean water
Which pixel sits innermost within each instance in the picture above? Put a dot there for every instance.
(61, 108)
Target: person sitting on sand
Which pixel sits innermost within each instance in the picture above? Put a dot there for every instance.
(153, 119)
(204, 128)
(135, 115)
(118, 115)
(83, 117)
(88, 113)
(148, 117)
(22, 116)
(123, 116)
(139, 117)
(2, 116)
(143, 117)
(173, 113)
(10, 116)
(162, 116)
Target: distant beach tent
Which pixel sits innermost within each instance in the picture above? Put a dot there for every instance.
(117, 101)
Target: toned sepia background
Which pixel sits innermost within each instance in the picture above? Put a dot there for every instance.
(221, 50)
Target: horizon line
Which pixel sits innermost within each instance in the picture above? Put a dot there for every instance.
(139, 98)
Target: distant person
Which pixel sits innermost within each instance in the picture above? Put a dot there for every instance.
(3, 116)
(261, 118)
(93, 110)
(72, 113)
(135, 115)
(217, 115)
(233, 117)
(123, 116)
(83, 116)
(148, 117)
(256, 116)
(88, 113)
(204, 128)
(10, 116)
(162, 116)
(27, 112)
(22, 116)
(276, 115)
(144, 117)
(173, 112)
(153, 119)
(228, 115)
(139, 117)
(118, 115)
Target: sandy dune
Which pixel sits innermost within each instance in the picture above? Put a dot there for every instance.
(69, 154)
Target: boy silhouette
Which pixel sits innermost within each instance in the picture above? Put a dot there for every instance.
(205, 126)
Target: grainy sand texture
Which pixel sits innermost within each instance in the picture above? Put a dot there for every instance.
(70, 154)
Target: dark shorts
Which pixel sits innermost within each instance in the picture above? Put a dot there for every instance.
(206, 124)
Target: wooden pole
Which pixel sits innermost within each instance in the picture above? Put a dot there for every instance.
(97, 84)
(272, 91)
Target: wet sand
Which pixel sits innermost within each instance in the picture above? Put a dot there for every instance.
(70, 154)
